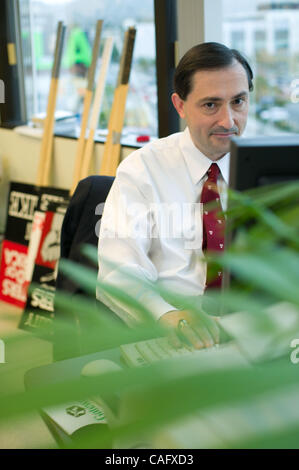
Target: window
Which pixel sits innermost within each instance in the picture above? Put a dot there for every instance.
(39, 20)
(270, 32)
(281, 38)
(237, 40)
(259, 41)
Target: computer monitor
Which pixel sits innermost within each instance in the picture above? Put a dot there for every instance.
(260, 161)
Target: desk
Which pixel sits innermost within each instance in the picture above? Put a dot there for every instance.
(115, 411)
(68, 369)
(221, 426)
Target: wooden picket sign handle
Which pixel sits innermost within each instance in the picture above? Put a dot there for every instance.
(111, 154)
(46, 133)
(43, 172)
(81, 140)
(86, 108)
(89, 146)
(49, 147)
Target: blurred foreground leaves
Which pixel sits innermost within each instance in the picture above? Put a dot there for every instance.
(196, 402)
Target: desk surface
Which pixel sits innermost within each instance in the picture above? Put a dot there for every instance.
(71, 368)
(67, 369)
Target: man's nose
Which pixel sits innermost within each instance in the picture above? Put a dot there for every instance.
(226, 118)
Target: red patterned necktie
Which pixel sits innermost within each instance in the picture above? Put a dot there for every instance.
(213, 222)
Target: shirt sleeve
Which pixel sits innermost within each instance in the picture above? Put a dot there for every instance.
(125, 241)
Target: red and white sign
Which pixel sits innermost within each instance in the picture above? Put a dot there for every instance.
(13, 285)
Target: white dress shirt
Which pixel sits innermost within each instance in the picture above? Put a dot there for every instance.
(152, 224)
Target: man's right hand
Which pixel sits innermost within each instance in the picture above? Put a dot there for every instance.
(199, 329)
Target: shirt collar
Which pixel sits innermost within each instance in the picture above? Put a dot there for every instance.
(197, 163)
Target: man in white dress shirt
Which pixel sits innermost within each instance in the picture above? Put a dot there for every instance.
(152, 222)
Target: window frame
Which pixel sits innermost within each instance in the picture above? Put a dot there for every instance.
(166, 37)
(13, 110)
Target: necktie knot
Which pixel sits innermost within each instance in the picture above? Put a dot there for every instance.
(213, 172)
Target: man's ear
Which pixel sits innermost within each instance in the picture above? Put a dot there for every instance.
(178, 103)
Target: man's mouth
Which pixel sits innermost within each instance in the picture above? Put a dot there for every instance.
(221, 134)
(225, 133)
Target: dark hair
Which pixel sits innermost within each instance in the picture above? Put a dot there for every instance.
(206, 56)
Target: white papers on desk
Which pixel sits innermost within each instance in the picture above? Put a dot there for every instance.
(262, 344)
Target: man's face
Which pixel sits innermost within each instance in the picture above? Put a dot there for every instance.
(216, 108)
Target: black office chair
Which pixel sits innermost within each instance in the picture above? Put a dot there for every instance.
(79, 224)
(79, 228)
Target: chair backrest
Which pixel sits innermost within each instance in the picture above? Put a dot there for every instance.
(79, 227)
(80, 222)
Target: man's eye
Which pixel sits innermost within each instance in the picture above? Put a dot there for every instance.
(239, 101)
(209, 105)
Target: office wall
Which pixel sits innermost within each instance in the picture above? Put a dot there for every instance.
(198, 21)
(19, 156)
